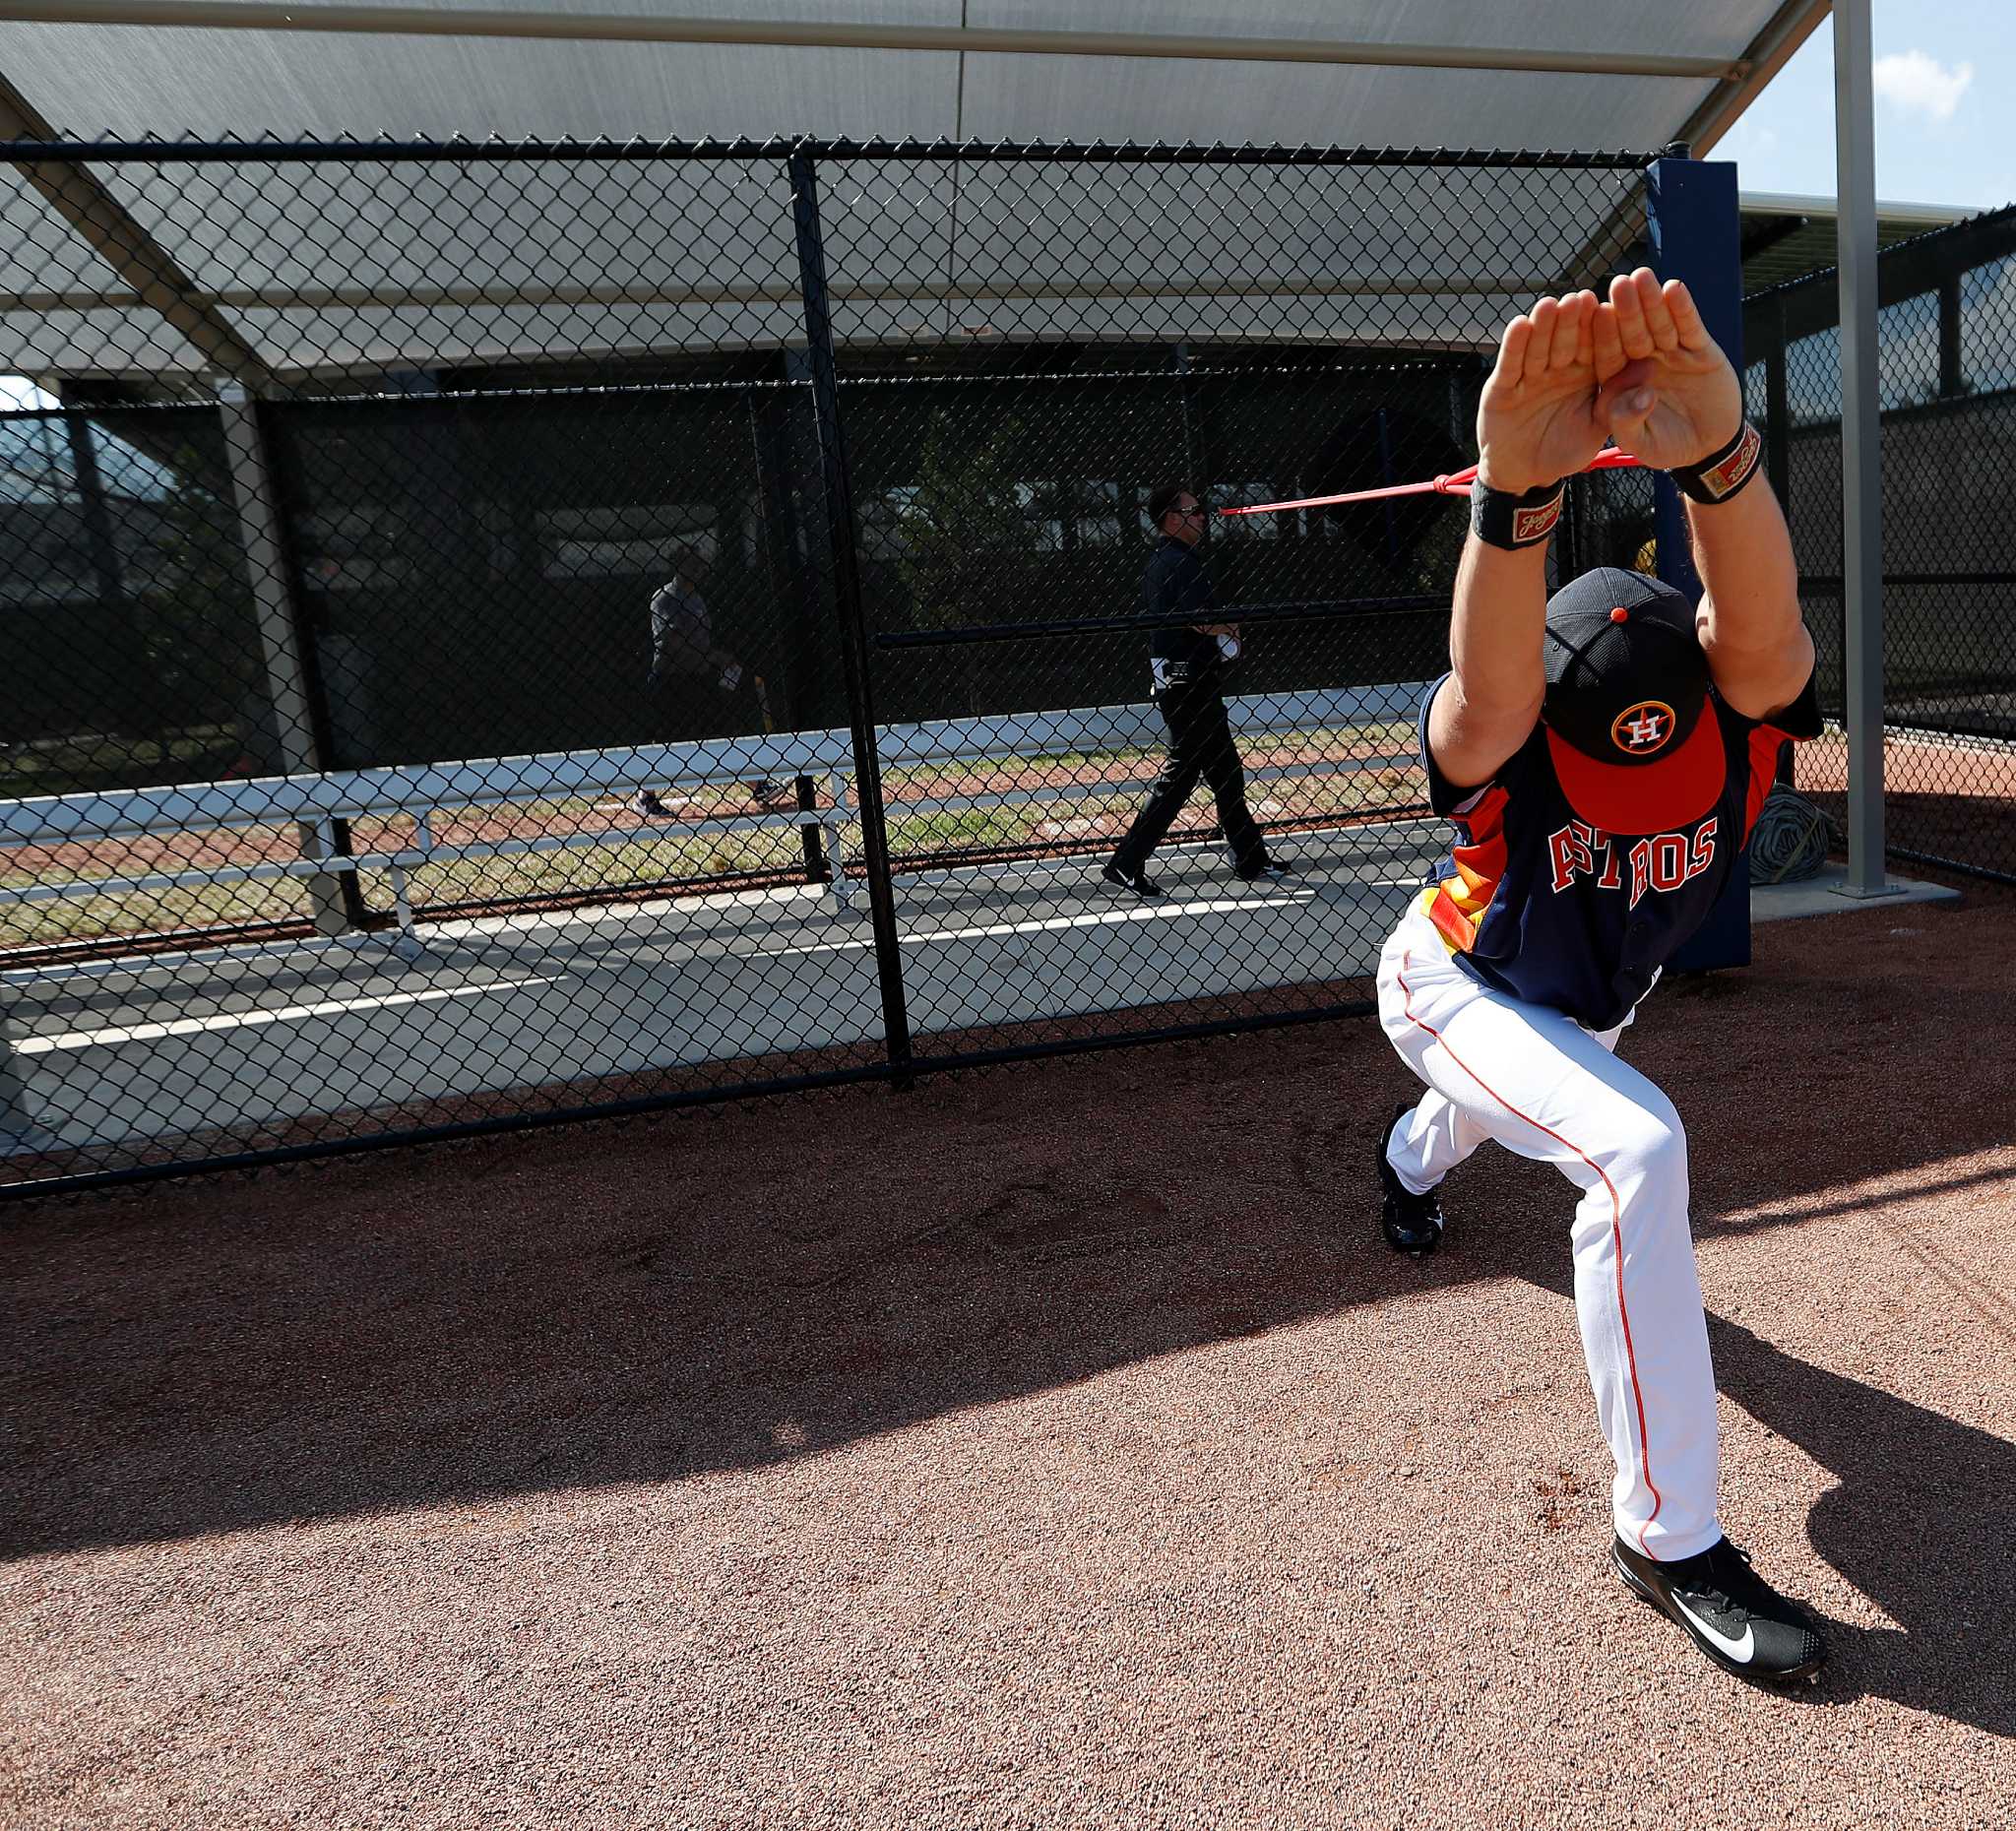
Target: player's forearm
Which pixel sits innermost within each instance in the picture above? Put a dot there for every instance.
(1743, 553)
(1487, 707)
(1495, 634)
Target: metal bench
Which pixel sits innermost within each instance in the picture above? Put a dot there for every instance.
(314, 802)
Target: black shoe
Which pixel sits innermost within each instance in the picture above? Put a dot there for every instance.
(1139, 882)
(1268, 873)
(1412, 1223)
(1735, 1616)
(646, 805)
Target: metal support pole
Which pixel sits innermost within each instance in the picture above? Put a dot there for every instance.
(1951, 382)
(137, 709)
(1386, 481)
(286, 680)
(793, 594)
(853, 613)
(1778, 460)
(1861, 487)
(1193, 476)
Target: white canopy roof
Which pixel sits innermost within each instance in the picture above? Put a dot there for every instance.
(487, 265)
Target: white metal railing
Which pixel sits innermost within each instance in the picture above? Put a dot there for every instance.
(314, 802)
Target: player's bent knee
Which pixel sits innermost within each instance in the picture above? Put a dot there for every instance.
(1648, 1148)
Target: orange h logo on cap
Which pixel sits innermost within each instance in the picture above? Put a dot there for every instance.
(1643, 727)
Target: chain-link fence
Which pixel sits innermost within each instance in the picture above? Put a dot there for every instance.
(510, 632)
(1946, 380)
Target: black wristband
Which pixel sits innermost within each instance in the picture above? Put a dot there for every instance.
(1723, 473)
(1500, 518)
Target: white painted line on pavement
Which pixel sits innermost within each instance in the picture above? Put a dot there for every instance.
(1096, 918)
(1090, 919)
(245, 1020)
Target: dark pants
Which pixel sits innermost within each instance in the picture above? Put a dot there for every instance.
(1200, 748)
(691, 708)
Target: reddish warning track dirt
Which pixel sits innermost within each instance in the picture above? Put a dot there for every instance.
(1941, 799)
(1053, 1446)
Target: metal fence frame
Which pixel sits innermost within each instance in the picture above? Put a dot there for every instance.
(251, 395)
(1939, 398)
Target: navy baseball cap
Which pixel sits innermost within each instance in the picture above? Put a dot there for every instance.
(1634, 745)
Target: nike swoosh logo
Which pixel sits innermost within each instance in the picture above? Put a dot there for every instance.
(1738, 1650)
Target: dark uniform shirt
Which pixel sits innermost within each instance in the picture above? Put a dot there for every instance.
(681, 632)
(1176, 583)
(1537, 903)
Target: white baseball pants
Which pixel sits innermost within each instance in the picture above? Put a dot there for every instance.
(1543, 1086)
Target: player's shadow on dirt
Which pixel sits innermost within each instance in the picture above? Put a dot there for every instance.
(1917, 1522)
(1914, 1519)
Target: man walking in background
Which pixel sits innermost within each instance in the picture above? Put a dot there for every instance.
(696, 685)
(1187, 663)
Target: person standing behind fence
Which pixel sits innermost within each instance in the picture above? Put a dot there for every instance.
(700, 690)
(1187, 667)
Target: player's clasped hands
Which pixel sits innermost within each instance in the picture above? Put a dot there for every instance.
(1575, 373)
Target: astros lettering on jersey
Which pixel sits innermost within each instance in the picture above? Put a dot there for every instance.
(1542, 904)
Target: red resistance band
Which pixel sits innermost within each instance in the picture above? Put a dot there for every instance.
(1452, 483)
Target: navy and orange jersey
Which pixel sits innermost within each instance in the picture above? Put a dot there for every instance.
(1537, 903)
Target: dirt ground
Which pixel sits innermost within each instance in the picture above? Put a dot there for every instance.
(1951, 799)
(1050, 1446)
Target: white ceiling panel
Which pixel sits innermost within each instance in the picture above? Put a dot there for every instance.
(423, 265)
(1700, 29)
(88, 80)
(1307, 104)
(669, 227)
(39, 252)
(102, 342)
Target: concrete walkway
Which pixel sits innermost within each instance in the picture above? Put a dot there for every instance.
(1826, 894)
(123, 1051)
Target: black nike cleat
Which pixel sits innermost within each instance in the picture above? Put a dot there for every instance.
(1412, 1223)
(1732, 1614)
(1139, 882)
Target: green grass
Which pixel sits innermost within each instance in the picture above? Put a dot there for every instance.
(149, 911)
(79, 765)
(591, 871)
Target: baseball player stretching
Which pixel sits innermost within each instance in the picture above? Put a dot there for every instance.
(1603, 755)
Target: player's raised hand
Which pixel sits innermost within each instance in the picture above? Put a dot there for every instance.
(1669, 395)
(1537, 420)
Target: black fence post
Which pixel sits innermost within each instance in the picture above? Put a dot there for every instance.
(784, 559)
(1778, 461)
(853, 613)
(140, 715)
(1193, 451)
(1950, 367)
